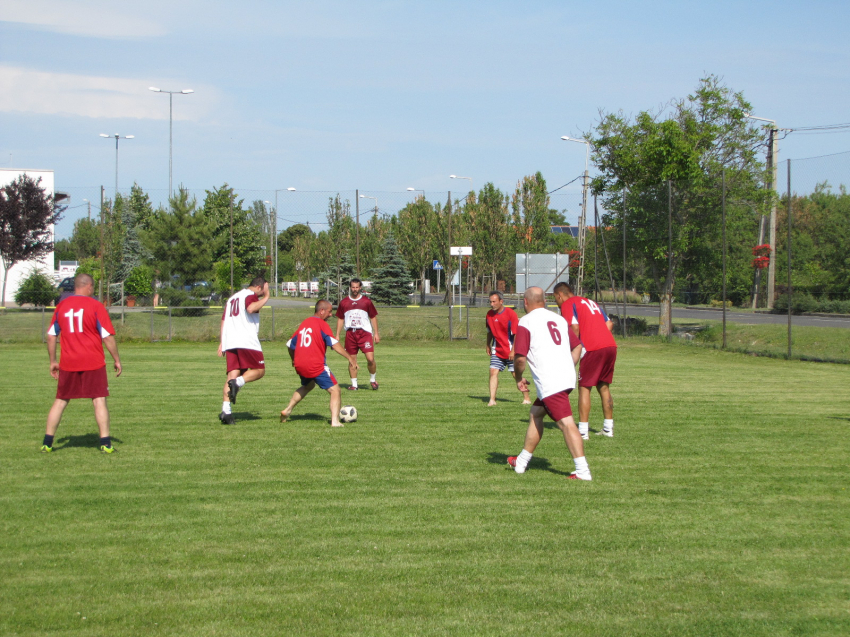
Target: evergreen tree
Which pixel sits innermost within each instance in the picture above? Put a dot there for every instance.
(391, 278)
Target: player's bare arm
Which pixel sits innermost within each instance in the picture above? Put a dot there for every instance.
(576, 354)
(511, 356)
(574, 328)
(112, 348)
(610, 324)
(519, 368)
(339, 349)
(51, 353)
(375, 337)
(257, 305)
(339, 324)
(221, 338)
(489, 343)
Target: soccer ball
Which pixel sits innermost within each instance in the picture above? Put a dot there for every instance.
(348, 413)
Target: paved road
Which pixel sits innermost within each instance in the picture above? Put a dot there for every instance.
(734, 317)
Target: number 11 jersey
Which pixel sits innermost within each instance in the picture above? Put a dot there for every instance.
(81, 323)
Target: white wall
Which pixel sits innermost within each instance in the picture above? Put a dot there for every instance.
(20, 271)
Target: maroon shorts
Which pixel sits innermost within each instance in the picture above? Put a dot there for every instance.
(89, 384)
(358, 340)
(557, 405)
(597, 367)
(244, 359)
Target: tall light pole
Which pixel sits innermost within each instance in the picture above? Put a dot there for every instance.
(772, 152)
(417, 190)
(582, 220)
(171, 95)
(470, 182)
(376, 203)
(117, 137)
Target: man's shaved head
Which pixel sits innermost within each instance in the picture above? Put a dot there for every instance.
(82, 280)
(322, 304)
(534, 297)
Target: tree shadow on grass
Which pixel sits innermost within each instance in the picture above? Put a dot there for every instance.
(536, 464)
(91, 440)
(245, 415)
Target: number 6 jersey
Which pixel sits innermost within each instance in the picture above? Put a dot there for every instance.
(81, 323)
(546, 339)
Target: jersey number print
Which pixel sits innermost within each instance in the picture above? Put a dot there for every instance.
(71, 315)
(234, 307)
(306, 336)
(591, 306)
(554, 332)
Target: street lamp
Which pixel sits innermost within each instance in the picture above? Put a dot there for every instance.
(417, 190)
(171, 94)
(772, 152)
(274, 234)
(582, 221)
(117, 137)
(469, 178)
(376, 203)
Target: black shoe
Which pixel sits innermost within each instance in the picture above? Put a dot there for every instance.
(232, 390)
(226, 419)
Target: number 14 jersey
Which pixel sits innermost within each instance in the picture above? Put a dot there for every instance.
(81, 323)
(546, 339)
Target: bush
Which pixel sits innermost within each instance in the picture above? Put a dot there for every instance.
(801, 302)
(139, 282)
(37, 289)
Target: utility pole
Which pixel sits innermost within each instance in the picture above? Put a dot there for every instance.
(772, 176)
(582, 234)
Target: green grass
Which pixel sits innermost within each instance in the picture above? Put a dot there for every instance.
(720, 507)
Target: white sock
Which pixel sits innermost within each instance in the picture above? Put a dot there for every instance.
(522, 461)
(225, 407)
(583, 428)
(354, 382)
(582, 470)
(608, 424)
(240, 382)
(372, 378)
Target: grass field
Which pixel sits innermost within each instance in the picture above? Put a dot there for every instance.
(720, 507)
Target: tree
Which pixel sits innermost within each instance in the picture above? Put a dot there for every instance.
(449, 230)
(181, 242)
(678, 154)
(413, 228)
(37, 289)
(489, 232)
(390, 280)
(530, 207)
(286, 239)
(85, 240)
(217, 209)
(27, 214)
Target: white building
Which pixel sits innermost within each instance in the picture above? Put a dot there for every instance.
(20, 271)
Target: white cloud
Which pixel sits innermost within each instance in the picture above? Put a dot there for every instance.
(85, 18)
(26, 90)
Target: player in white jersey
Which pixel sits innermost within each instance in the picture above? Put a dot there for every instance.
(545, 343)
(240, 342)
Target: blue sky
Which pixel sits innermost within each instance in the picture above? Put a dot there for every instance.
(327, 96)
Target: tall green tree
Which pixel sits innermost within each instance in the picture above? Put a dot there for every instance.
(414, 233)
(391, 279)
(182, 242)
(530, 212)
(688, 145)
(490, 232)
(218, 206)
(27, 216)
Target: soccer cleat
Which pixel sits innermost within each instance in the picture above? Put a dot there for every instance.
(512, 461)
(226, 419)
(609, 433)
(232, 390)
(574, 476)
(584, 436)
(46, 449)
(105, 449)
(374, 385)
(352, 388)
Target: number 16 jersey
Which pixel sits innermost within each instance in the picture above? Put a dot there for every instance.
(81, 323)
(546, 339)
(310, 341)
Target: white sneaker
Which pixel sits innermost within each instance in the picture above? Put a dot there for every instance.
(604, 432)
(584, 436)
(576, 476)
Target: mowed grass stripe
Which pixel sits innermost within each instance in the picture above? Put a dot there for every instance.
(718, 508)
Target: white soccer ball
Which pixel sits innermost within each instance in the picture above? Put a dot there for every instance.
(348, 413)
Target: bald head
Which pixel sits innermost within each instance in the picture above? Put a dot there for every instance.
(83, 284)
(323, 306)
(534, 298)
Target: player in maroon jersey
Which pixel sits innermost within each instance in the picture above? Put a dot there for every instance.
(593, 327)
(81, 326)
(307, 349)
(358, 314)
(501, 328)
